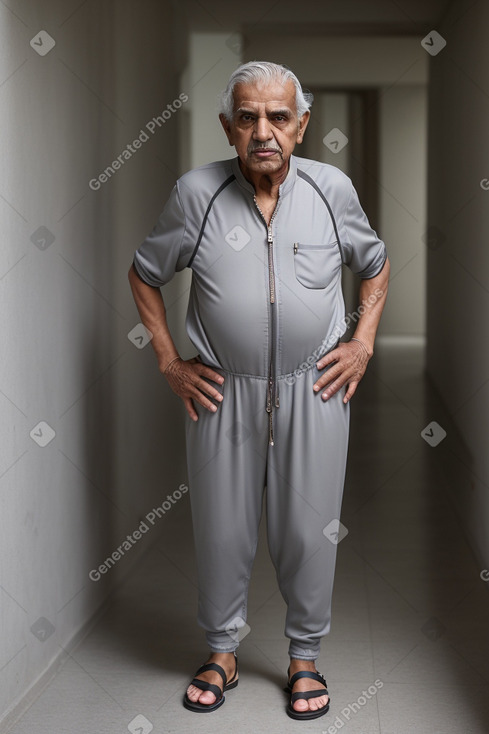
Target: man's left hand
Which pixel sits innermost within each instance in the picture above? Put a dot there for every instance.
(351, 359)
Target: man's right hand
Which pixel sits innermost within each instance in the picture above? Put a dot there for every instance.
(186, 379)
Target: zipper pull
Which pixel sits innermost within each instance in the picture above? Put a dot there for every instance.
(270, 236)
(296, 247)
(269, 397)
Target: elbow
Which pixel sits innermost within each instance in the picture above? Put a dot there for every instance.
(385, 272)
(133, 278)
(384, 277)
(131, 273)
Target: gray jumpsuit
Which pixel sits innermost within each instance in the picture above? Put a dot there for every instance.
(265, 304)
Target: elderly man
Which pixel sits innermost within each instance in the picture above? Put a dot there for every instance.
(267, 397)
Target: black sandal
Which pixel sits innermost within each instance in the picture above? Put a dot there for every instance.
(204, 686)
(306, 694)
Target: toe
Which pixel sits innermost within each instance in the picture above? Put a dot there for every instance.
(193, 693)
(317, 703)
(207, 697)
(300, 705)
(196, 694)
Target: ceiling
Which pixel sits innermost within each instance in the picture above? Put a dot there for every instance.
(326, 17)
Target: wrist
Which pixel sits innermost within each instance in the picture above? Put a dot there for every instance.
(368, 348)
(168, 362)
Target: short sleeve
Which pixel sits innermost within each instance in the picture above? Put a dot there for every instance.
(362, 250)
(161, 254)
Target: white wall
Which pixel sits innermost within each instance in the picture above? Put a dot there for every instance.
(458, 260)
(402, 203)
(330, 110)
(212, 59)
(67, 310)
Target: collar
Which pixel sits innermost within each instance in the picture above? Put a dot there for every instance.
(284, 187)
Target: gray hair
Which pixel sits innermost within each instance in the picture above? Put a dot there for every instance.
(260, 72)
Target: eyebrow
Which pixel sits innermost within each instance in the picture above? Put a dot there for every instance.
(245, 110)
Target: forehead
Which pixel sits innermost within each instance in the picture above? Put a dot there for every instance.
(269, 94)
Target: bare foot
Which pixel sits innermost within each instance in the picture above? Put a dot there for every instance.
(306, 684)
(227, 661)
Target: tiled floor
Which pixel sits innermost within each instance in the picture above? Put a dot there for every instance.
(410, 613)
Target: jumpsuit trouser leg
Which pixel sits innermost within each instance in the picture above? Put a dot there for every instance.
(306, 473)
(226, 459)
(229, 461)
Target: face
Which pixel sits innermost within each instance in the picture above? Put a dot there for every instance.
(265, 127)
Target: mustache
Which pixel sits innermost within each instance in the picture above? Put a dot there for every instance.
(275, 148)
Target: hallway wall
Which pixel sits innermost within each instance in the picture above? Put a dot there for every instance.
(69, 502)
(458, 254)
(402, 204)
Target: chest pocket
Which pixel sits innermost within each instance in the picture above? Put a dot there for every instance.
(316, 265)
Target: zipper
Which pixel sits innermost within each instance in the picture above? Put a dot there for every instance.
(272, 387)
(271, 275)
(269, 411)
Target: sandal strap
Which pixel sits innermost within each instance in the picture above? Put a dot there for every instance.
(204, 686)
(213, 666)
(235, 670)
(307, 674)
(308, 694)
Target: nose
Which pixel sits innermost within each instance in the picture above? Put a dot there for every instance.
(262, 130)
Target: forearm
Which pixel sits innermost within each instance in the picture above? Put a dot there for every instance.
(372, 294)
(151, 308)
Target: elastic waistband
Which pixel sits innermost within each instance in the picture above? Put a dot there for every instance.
(301, 369)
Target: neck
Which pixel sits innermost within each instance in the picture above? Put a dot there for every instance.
(266, 184)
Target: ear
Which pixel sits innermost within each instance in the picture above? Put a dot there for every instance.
(302, 125)
(227, 128)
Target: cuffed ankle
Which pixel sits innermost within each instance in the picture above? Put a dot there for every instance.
(303, 653)
(220, 649)
(221, 642)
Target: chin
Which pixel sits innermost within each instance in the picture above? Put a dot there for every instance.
(270, 164)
